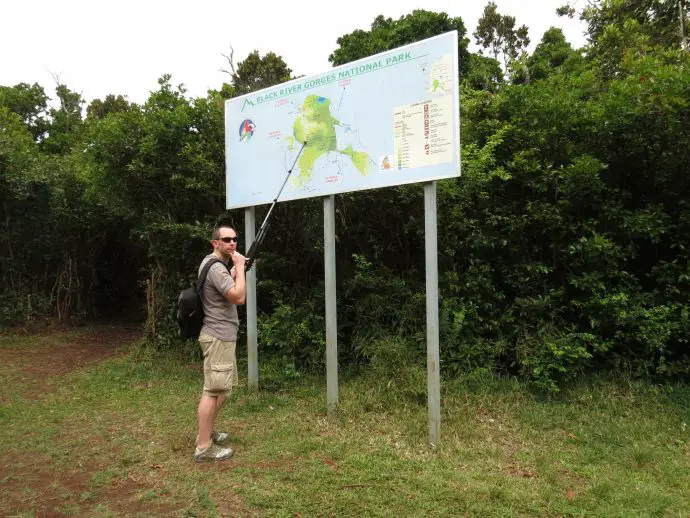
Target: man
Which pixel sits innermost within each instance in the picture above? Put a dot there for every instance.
(221, 293)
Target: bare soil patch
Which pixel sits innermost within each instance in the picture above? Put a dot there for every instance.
(62, 355)
(31, 482)
(35, 485)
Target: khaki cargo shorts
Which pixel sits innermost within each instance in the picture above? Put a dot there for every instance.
(220, 365)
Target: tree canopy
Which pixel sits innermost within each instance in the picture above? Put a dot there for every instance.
(386, 34)
(498, 33)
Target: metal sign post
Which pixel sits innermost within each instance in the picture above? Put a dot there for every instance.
(252, 334)
(331, 306)
(432, 333)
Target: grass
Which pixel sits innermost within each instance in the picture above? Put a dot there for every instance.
(116, 439)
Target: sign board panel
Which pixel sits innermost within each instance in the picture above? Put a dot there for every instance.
(389, 119)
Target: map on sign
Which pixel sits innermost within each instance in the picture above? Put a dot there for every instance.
(389, 119)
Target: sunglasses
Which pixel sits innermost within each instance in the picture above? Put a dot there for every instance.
(228, 239)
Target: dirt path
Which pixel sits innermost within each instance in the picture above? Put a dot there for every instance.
(30, 483)
(58, 354)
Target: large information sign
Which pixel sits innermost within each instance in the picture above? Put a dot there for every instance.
(389, 119)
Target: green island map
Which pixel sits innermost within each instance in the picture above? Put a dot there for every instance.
(316, 126)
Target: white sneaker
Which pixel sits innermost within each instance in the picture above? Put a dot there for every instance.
(213, 453)
(215, 437)
(219, 436)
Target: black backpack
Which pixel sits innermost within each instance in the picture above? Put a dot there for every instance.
(190, 310)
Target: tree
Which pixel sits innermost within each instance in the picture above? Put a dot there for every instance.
(30, 103)
(566, 10)
(663, 22)
(254, 73)
(618, 30)
(40, 191)
(66, 121)
(552, 53)
(387, 34)
(16, 156)
(498, 32)
(111, 104)
(484, 73)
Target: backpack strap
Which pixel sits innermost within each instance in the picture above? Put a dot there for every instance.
(204, 272)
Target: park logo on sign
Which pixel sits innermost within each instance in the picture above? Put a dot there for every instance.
(247, 130)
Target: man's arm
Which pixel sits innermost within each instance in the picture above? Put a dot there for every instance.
(238, 293)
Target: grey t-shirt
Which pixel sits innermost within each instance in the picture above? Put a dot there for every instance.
(220, 315)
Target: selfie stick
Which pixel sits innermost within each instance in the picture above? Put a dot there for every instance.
(254, 249)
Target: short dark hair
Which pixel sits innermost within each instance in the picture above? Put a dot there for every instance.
(216, 231)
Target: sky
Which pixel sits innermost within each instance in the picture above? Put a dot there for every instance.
(101, 47)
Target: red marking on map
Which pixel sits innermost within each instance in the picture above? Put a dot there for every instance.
(274, 134)
(281, 102)
(344, 82)
(331, 179)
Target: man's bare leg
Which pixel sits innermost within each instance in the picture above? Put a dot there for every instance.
(216, 410)
(207, 412)
(206, 450)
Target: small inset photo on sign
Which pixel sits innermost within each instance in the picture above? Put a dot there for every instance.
(387, 164)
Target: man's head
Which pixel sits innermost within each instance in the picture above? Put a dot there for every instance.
(224, 241)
